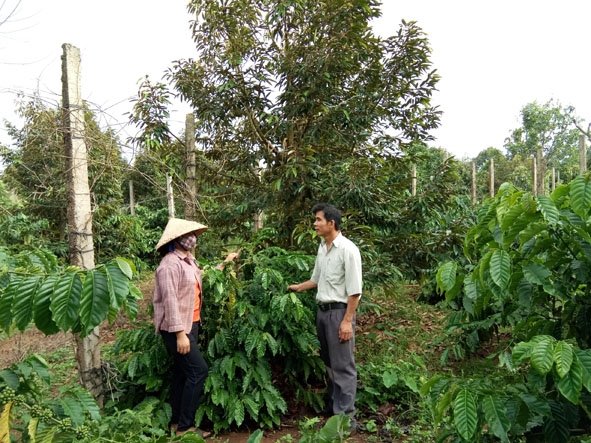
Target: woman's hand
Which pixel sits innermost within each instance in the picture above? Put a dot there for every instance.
(183, 345)
(232, 256)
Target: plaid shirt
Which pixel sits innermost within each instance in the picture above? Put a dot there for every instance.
(174, 295)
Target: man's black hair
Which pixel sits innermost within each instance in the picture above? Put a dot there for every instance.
(331, 213)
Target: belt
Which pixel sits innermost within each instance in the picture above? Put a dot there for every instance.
(330, 306)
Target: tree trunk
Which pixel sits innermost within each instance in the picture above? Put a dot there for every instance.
(190, 168)
(131, 198)
(169, 196)
(491, 178)
(79, 213)
(534, 176)
(541, 165)
(582, 154)
(413, 185)
(473, 187)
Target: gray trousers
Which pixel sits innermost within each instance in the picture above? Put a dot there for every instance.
(339, 360)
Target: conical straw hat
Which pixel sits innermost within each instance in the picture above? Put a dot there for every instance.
(177, 227)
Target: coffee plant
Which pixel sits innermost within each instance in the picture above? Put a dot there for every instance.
(546, 391)
(259, 341)
(26, 410)
(36, 288)
(529, 267)
(528, 272)
(259, 337)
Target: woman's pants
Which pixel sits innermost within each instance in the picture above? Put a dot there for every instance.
(189, 372)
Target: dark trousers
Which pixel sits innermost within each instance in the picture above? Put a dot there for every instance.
(189, 372)
(339, 360)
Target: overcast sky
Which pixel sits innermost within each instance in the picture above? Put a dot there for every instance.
(493, 57)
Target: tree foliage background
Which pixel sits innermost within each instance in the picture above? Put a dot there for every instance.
(295, 102)
(298, 87)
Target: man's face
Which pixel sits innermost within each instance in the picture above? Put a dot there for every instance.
(321, 226)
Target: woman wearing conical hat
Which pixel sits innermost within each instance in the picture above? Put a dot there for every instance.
(177, 316)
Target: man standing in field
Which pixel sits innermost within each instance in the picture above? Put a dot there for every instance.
(337, 277)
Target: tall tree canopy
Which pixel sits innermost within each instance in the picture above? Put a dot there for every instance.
(290, 94)
(551, 128)
(35, 165)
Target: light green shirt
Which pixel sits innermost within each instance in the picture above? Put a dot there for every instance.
(337, 272)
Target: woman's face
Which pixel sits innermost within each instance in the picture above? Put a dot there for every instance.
(187, 241)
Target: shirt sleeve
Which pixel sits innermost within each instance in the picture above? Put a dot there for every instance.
(316, 273)
(353, 272)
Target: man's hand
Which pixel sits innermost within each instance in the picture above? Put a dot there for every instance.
(183, 345)
(345, 331)
(302, 286)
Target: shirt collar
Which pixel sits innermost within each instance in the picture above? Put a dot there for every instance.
(335, 242)
(189, 258)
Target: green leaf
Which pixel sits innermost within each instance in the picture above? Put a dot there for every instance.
(251, 406)
(236, 411)
(73, 409)
(7, 298)
(584, 357)
(571, 384)
(251, 341)
(430, 384)
(131, 307)
(496, 416)
(41, 307)
(442, 406)
(334, 428)
(118, 286)
(126, 266)
(536, 274)
(31, 428)
(132, 365)
(513, 224)
(500, 268)
(580, 195)
(94, 305)
(11, 378)
(446, 276)
(265, 279)
(511, 217)
(40, 366)
(298, 312)
(22, 309)
(465, 414)
(563, 358)
(537, 405)
(256, 437)
(411, 382)
(548, 209)
(556, 427)
(45, 435)
(65, 300)
(542, 355)
(389, 378)
(271, 342)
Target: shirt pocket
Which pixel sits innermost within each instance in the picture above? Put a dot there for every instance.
(335, 271)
